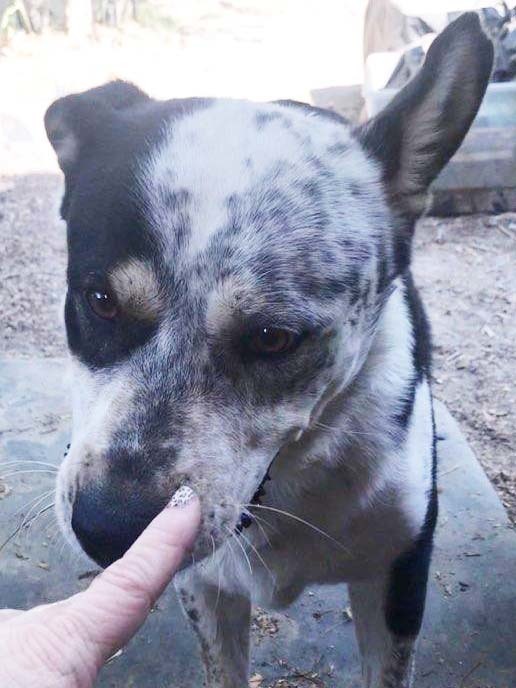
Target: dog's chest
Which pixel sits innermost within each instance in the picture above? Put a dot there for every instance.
(328, 522)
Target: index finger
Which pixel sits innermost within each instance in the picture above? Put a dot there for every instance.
(120, 598)
(8, 614)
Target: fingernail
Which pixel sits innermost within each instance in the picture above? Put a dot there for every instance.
(182, 496)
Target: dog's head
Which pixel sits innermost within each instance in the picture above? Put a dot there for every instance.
(228, 262)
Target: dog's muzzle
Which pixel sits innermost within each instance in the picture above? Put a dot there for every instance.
(106, 522)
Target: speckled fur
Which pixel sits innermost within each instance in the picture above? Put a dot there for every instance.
(249, 215)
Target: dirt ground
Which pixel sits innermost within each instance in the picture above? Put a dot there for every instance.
(465, 268)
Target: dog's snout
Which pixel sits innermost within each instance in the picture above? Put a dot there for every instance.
(107, 522)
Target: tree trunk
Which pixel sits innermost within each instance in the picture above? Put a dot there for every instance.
(79, 19)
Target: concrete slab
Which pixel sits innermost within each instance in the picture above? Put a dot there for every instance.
(348, 101)
(468, 640)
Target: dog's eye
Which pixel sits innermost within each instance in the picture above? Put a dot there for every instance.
(268, 341)
(103, 304)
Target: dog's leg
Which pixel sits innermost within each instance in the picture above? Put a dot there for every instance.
(388, 612)
(387, 660)
(221, 621)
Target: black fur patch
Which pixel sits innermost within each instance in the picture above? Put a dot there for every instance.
(263, 118)
(115, 126)
(385, 135)
(194, 615)
(406, 596)
(408, 579)
(422, 347)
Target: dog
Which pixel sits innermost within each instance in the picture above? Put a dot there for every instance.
(242, 320)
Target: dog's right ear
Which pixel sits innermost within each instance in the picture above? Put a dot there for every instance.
(76, 123)
(422, 127)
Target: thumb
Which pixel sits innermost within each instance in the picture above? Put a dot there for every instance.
(120, 598)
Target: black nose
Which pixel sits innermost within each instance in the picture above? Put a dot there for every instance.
(107, 521)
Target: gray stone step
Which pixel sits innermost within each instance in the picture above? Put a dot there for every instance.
(468, 639)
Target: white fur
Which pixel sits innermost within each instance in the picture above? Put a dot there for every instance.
(206, 152)
(97, 400)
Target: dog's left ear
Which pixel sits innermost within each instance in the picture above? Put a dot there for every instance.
(79, 124)
(422, 127)
(76, 122)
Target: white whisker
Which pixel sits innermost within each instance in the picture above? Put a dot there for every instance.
(242, 548)
(262, 529)
(36, 470)
(343, 431)
(35, 504)
(29, 462)
(52, 531)
(259, 557)
(218, 570)
(31, 502)
(301, 520)
(33, 520)
(62, 549)
(233, 555)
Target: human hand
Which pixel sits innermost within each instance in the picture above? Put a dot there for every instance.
(64, 645)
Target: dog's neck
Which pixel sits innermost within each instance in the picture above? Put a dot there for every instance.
(354, 429)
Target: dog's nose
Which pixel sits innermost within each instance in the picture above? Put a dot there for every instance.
(107, 522)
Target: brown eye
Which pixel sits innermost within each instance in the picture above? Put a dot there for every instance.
(102, 304)
(268, 341)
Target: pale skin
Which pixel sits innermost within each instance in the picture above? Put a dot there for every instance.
(64, 645)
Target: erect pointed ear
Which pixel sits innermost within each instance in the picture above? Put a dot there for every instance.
(422, 127)
(73, 122)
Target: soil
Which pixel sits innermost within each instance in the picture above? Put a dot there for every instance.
(32, 266)
(465, 268)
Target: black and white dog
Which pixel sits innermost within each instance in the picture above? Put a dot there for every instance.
(242, 319)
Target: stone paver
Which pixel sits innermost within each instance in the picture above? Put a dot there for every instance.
(468, 639)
